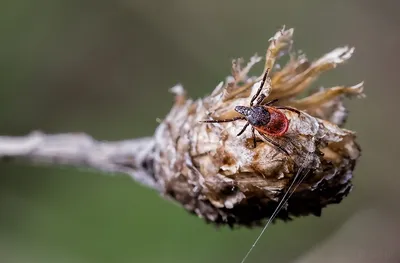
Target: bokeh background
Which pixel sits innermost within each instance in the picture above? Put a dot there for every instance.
(105, 67)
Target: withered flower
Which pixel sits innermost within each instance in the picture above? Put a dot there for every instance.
(216, 174)
(220, 176)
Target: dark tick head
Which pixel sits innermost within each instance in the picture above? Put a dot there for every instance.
(256, 115)
(245, 111)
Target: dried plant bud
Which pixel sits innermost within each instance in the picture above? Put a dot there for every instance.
(222, 178)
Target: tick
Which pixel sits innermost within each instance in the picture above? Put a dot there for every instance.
(266, 119)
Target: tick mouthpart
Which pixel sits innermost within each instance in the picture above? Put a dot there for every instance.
(245, 111)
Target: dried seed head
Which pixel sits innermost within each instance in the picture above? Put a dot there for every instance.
(223, 179)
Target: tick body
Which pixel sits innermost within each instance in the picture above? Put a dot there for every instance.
(265, 119)
(268, 121)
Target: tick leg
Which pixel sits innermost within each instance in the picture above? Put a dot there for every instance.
(243, 129)
(254, 137)
(260, 88)
(288, 108)
(274, 143)
(271, 102)
(225, 120)
(278, 107)
(299, 148)
(260, 99)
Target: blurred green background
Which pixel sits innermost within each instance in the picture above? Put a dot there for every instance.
(105, 67)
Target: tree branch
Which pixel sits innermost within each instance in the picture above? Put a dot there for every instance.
(81, 150)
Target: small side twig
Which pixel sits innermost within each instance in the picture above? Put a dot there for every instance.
(78, 149)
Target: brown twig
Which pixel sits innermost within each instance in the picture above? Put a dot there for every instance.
(131, 157)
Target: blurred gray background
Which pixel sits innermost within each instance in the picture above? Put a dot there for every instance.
(105, 67)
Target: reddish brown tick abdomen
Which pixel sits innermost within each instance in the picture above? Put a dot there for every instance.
(277, 125)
